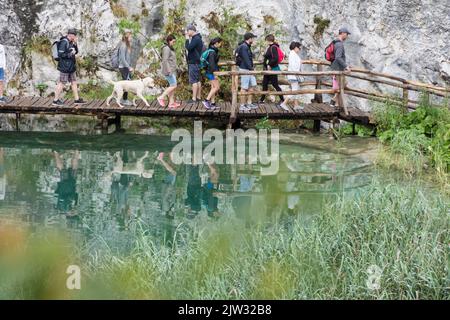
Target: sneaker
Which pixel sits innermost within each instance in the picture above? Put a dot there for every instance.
(126, 103)
(161, 102)
(2, 100)
(244, 107)
(215, 106)
(80, 101)
(174, 105)
(284, 107)
(333, 103)
(58, 103)
(191, 101)
(207, 104)
(252, 106)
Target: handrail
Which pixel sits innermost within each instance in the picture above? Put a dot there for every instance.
(356, 73)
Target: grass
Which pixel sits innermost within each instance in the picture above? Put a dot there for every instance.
(401, 228)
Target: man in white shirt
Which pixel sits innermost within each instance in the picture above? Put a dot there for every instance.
(2, 72)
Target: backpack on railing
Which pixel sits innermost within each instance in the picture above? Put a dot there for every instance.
(330, 51)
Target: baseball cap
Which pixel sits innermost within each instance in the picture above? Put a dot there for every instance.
(72, 31)
(249, 35)
(191, 27)
(344, 30)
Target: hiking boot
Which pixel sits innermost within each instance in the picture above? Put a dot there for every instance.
(58, 103)
(80, 101)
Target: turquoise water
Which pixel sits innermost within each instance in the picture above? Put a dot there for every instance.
(106, 187)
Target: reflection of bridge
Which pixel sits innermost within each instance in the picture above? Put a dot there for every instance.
(229, 111)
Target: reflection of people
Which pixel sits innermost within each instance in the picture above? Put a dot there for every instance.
(2, 175)
(209, 199)
(168, 187)
(193, 200)
(66, 187)
(119, 194)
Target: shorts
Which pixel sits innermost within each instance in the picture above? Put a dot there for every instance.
(194, 73)
(295, 85)
(2, 74)
(247, 82)
(67, 77)
(172, 80)
(210, 76)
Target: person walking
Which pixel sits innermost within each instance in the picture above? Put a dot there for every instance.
(339, 62)
(169, 71)
(212, 65)
(2, 73)
(125, 62)
(67, 67)
(194, 47)
(244, 60)
(271, 62)
(295, 65)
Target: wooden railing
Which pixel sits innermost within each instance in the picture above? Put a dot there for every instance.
(402, 100)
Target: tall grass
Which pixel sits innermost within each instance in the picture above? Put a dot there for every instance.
(402, 229)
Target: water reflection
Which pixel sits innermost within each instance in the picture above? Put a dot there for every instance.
(109, 191)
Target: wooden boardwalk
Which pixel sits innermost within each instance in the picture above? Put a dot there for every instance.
(315, 111)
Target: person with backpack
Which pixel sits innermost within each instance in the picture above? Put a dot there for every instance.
(124, 55)
(335, 53)
(67, 51)
(210, 61)
(272, 59)
(169, 70)
(295, 65)
(2, 73)
(244, 60)
(194, 47)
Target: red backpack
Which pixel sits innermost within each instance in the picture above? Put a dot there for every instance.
(329, 51)
(281, 54)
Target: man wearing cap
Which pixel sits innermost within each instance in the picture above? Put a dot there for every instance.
(67, 51)
(194, 47)
(339, 63)
(244, 60)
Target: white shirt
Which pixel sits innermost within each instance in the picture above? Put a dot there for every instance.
(2, 57)
(295, 64)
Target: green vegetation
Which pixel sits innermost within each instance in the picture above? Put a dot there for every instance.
(88, 64)
(39, 44)
(395, 226)
(321, 25)
(418, 139)
(92, 90)
(41, 87)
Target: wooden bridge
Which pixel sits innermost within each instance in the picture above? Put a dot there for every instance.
(229, 112)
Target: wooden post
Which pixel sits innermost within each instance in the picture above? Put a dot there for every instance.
(234, 97)
(405, 98)
(316, 127)
(318, 97)
(341, 96)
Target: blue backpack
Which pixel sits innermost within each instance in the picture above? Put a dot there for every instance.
(204, 59)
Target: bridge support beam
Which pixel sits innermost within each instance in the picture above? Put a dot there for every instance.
(17, 121)
(316, 127)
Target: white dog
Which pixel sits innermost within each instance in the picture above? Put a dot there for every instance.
(137, 87)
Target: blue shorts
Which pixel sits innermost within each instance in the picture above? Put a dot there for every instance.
(194, 73)
(172, 80)
(210, 76)
(247, 82)
(2, 74)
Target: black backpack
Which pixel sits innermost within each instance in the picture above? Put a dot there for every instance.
(237, 55)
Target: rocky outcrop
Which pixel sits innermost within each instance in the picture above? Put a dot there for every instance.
(409, 38)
